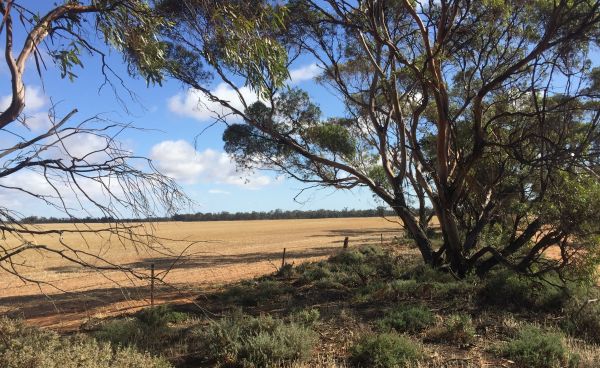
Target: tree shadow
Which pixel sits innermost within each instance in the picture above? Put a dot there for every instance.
(67, 310)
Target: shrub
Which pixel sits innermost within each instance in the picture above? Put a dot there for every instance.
(535, 348)
(410, 319)
(512, 291)
(385, 350)
(124, 332)
(306, 317)
(148, 330)
(26, 347)
(286, 271)
(159, 317)
(253, 293)
(584, 322)
(457, 328)
(424, 273)
(241, 340)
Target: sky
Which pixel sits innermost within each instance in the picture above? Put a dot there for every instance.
(172, 118)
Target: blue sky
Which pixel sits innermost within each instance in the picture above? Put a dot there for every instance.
(173, 118)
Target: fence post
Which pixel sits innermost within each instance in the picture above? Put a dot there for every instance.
(152, 285)
(283, 259)
(381, 238)
(346, 243)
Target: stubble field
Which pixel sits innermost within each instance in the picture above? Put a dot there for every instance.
(213, 253)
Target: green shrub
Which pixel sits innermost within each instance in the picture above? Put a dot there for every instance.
(27, 347)
(584, 322)
(456, 329)
(408, 319)
(148, 329)
(385, 350)
(535, 348)
(124, 332)
(514, 292)
(287, 271)
(314, 272)
(255, 292)
(349, 257)
(159, 317)
(306, 317)
(241, 340)
(424, 273)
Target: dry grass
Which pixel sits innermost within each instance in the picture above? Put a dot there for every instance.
(225, 251)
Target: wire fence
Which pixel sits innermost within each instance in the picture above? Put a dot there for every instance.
(66, 299)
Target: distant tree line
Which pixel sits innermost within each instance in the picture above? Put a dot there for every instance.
(277, 214)
(284, 215)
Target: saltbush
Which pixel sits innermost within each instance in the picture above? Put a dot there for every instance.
(514, 292)
(583, 321)
(408, 319)
(149, 329)
(254, 292)
(245, 341)
(535, 348)
(26, 347)
(456, 329)
(385, 350)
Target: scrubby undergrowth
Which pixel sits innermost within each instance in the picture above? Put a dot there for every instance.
(366, 308)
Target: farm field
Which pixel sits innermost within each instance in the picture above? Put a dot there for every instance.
(214, 253)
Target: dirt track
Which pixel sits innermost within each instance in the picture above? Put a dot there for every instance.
(229, 251)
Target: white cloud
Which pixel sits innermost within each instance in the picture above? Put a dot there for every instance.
(35, 100)
(304, 73)
(179, 160)
(197, 105)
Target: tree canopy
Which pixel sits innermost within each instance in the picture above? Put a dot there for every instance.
(486, 111)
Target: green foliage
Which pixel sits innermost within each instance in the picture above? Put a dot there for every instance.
(148, 330)
(26, 347)
(247, 45)
(535, 348)
(133, 28)
(245, 341)
(387, 350)
(583, 322)
(333, 138)
(509, 290)
(456, 329)
(362, 269)
(286, 271)
(408, 319)
(306, 317)
(160, 316)
(252, 293)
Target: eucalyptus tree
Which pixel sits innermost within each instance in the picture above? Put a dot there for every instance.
(58, 162)
(485, 111)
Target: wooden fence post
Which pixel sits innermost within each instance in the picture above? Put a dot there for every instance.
(346, 243)
(283, 259)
